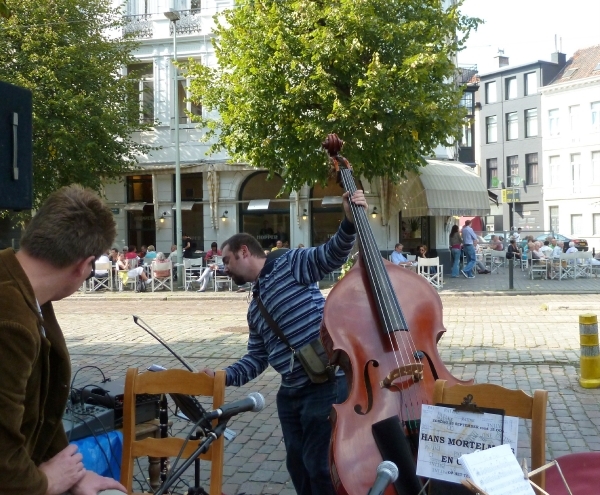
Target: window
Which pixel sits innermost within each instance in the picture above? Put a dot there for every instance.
(530, 83)
(576, 224)
(531, 168)
(512, 126)
(554, 166)
(595, 106)
(574, 118)
(466, 101)
(492, 172)
(139, 189)
(554, 219)
(531, 122)
(195, 4)
(144, 74)
(186, 107)
(491, 95)
(491, 124)
(553, 122)
(576, 172)
(512, 170)
(596, 220)
(466, 140)
(511, 88)
(596, 166)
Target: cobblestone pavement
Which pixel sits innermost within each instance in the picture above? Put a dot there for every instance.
(525, 342)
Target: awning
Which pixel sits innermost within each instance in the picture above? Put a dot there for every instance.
(135, 206)
(259, 204)
(442, 189)
(493, 197)
(185, 205)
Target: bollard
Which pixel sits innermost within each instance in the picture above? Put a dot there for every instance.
(590, 352)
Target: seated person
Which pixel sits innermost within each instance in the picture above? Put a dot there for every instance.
(212, 252)
(278, 245)
(131, 254)
(397, 257)
(546, 249)
(496, 244)
(142, 253)
(513, 251)
(572, 248)
(124, 266)
(422, 251)
(558, 249)
(150, 253)
(537, 251)
(103, 258)
(208, 273)
(160, 258)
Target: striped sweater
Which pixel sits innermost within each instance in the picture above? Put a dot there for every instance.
(289, 291)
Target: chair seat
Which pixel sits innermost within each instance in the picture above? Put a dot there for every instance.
(581, 473)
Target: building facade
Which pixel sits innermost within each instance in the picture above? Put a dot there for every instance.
(220, 198)
(511, 140)
(571, 148)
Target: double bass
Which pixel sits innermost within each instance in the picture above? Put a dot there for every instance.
(381, 325)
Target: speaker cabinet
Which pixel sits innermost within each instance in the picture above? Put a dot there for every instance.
(16, 161)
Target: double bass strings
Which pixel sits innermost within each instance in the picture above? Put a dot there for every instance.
(374, 266)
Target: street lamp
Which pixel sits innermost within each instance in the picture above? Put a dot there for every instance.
(173, 17)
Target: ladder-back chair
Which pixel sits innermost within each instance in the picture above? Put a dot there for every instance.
(514, 402)
(169, 382)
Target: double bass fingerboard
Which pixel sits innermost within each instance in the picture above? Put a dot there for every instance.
(390, 313)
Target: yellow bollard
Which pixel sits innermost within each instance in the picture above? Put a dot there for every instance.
(590, 352)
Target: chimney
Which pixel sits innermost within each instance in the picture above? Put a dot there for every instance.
(559, 58)
(502, 60)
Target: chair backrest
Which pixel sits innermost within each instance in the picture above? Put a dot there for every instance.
(106, 267)
(162, 266)
(162, 382)
(569, 256)
(581, 255)
(132, 263)
(428, 261)
(514, 402)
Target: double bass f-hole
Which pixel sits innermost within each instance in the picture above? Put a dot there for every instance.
(368, 388)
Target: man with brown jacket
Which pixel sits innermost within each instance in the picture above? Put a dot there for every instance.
(58, 249)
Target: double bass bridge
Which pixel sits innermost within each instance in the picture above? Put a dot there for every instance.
(415, 371)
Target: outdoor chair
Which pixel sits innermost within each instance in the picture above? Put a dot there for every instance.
(124, 279)
(514, 403)
(583, 264)
(538, 267)
(431, 270)
(98, 282)
(193, 269)
(169, 382)
(164, 281)
(497, 261)
(567, 265)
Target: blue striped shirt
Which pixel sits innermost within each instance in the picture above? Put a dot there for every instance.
(289, 291)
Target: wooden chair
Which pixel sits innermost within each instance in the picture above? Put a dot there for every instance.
(170, 381)
(514, 402)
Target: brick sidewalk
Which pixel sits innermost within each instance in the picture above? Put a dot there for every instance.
(523, 342)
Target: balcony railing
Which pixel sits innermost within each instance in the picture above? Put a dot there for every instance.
(138, 26)
(464, 75)
(190, 22)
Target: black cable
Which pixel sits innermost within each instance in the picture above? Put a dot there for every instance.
(145, 479)
(187, 439)
(112, 454)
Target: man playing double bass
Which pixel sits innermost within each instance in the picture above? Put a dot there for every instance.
(287, 286)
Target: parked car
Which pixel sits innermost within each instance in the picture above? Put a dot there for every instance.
(580, 244)
(488, 237)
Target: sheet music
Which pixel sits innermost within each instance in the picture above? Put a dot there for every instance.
(446, 434)
(497, 471)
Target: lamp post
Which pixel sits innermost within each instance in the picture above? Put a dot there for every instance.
(173, 17)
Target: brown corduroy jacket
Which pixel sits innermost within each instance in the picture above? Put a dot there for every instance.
(34, 383)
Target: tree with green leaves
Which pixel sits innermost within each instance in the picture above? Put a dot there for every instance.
(376, 72)
(84, 110)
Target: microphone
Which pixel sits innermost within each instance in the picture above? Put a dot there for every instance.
(254, 402)
(387, 473)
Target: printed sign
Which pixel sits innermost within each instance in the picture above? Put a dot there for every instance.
(446, 434)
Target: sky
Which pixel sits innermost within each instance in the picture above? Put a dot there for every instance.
(525, 30)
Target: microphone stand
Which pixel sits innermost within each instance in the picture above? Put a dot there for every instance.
(211, 437)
